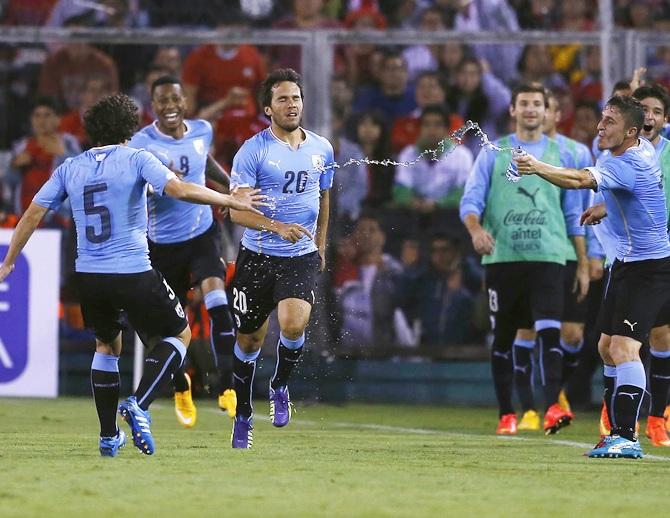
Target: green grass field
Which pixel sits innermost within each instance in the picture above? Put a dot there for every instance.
(355, 460)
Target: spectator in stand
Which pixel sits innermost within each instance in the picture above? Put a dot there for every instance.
(169, 59)
(403, 13)
(66, 71)
(72, 123)
(372, 135)
(537, 14)
(212, 71)
(451, 55)
(368, 292)
(585, 122)
(438, 298)
(425, 57)
(307, 15)
(576, 15)
(350, 182)
(394, 95)
(341, 97)
(429, 90)
(435, 181)
(362, 59)
(7, 217)
(479, 96)
(27, 12)
(490, 15)
(586, 82)
(535, 66)
(36, 157)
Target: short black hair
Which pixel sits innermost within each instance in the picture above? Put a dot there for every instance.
(112, 120)
(278, 76)
(529, 88)
(621, 85)
(164, 80)
(48, 102)
(436, 109)
(657, 92)
(631, 110)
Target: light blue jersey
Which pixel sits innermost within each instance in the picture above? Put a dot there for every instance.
(479, 182)
(107, 188)
(632, 187)
(171, 220)
(292, 179)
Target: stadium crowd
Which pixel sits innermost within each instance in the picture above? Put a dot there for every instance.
(402, 272)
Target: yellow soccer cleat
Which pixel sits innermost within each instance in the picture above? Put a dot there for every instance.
(184, 407)
(228, 402)
(563, 401)
(530, 421)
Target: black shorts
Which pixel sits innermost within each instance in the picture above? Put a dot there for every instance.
(188, 263)
(522, 293)
(635, 294)
(261, 281)
(148, 301)
(573, 311)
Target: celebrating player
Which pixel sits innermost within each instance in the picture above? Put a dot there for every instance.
(184, 239)
(630, 179)
(282, 250)
(107, 188)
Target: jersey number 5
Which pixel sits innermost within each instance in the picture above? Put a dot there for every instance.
(91, 209)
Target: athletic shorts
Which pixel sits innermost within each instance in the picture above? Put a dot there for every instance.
(261, 281)
(573, 311)
(188, 263)
(635, 294)
(151, 306)
(522, 293)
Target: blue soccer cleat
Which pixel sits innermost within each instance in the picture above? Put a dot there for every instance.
(110, 446)
(280, 406)
(140, 425)
(243, 432)
(616, 447)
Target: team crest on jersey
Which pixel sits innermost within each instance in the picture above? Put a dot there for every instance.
(319, 162)
(199, 146)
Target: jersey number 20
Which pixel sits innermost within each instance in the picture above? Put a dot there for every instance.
(300, 181)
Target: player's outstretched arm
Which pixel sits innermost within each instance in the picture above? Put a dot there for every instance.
(24, 229)
(564, 177)
(238, 199)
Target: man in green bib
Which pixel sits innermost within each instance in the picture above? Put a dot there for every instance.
(521, 230)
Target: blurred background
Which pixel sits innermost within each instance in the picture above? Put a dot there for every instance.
(401, 313)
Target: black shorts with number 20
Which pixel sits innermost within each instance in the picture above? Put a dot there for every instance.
(152, 307)
(261, 281)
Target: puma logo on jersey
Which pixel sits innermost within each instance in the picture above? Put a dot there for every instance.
(629, 324)
(276, 164)
(523, 191)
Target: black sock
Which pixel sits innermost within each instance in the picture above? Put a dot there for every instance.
(159, 366)
(106, 385)
(570, 359)
(286, 359)
(225, 366)
(502, 369)
(659, 382)
(609, 382)
(523, 374)
(244, 368)
(179, 379)
(551, 363)
(631, 383)
(223, 330)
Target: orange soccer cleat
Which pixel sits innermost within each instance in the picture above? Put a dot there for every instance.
(507, 425)
(555, 419)
(656, 431)
(604, 426)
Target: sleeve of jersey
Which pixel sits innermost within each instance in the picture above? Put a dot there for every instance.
(245, 162)
(153, 171)
(613, 174)
(52, 193)
(326, 178)
(572, 211)
(477, 186)
(593, 246)
(210, 134)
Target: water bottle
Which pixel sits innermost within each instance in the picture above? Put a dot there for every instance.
(512, 173)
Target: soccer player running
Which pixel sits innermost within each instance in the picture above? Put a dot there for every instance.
(629, 177)
(576, 283)
(521, 230)
(282, 250)
(107, 187)
(184, 239)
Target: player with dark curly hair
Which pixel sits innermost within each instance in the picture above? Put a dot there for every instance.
(107, 188)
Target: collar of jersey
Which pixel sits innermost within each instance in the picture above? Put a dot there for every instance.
(286, 143)
(169, 137)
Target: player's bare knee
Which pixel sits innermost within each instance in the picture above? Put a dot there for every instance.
(572, 333)
(250, 343)
(624, 349)
(659, 338)
(525, 334)
(293, 330)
